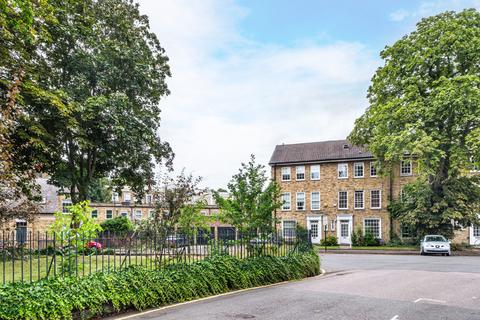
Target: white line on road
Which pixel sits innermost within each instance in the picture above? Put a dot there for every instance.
(429, 300)
(395, 318)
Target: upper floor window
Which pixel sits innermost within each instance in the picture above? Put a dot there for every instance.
(315, 199)
(315, 172)
(286, 202)
(148, 198)
(108, 214)
(359, 200)
(286, 174)
(358, 170)
(342, 171)
(94, 214)
(127, 197)
(300, 172)
(114, 196)
(342, 199)
(300, 200)
(375, 199)
(406, 168)
(373, 169)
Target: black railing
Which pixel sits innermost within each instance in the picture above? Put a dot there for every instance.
(27, 256)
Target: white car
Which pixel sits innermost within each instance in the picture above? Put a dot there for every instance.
(435, 244)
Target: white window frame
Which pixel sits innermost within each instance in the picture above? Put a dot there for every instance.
(106, 214)
(96, 214)
(379, 199)
(151, 214)
(304, 201)
(136, 216)
(312, 171)
(401, 168)
(319, 200)
(282, 173)
(115, 197)
(297, 172)
(148, 198)
(125, 194)
(294, 228)
(355, 200)
(379, 226)
(289, 201)
(124, 214)
(338, 200)
(338, 170)
(355, 169)
(372, 165)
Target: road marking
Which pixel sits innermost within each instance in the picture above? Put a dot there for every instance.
(429, 300)
(395, 318)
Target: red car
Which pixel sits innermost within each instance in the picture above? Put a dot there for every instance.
(94, 245)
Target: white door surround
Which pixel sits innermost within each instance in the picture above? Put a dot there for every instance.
(475, 235)
(314, 226)
(344, 228)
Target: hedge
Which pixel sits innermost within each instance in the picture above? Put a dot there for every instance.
(139, 288)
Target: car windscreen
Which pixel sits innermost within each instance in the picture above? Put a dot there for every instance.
(435, 239)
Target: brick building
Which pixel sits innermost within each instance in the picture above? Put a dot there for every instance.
(333, 188)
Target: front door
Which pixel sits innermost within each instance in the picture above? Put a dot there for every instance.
(344, 232)
(475, 235)
(313, 227)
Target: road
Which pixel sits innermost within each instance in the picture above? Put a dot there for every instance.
(355, 287)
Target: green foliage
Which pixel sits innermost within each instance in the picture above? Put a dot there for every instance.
(329, 241)
(117, 225)
(96, 111)
(100, 190)
(140, 288)
(251, 200)
(191, 219)
(424, 105)
(361, 240)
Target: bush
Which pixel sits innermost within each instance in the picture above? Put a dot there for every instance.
(118, 225)
(140, 288)
(329, 241)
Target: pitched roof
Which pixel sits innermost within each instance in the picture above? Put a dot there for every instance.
(317, 151)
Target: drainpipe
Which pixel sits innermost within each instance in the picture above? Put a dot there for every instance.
(389, 200)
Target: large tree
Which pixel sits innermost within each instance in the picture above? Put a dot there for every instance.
(108, 71)
(425, 105)
(252, 199)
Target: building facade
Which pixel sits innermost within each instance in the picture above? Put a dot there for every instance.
(333, 188)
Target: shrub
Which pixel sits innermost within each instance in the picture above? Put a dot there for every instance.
(118, 225)
(329, 241)
(139, 288)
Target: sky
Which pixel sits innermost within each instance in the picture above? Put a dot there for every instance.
(250, 74)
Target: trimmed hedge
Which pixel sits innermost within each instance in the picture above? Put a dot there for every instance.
(140, 288)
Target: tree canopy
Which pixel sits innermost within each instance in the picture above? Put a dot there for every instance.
(96, 113)
(252, 199)
(425, 104)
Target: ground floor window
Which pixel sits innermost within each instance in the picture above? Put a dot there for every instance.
(476, 231)
(138, 214)
(94, 214)
(289, 227)
(372, 226)
(108, 214)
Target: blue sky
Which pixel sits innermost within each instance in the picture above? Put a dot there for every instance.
(250, 74)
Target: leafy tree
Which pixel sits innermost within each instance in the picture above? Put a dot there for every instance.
(251, 200)
(192, 219)
(117, 225)
(425, 105)
(100, 190)
(106, 71)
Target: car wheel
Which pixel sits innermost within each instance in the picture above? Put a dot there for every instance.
(422, 252)
(447, 254)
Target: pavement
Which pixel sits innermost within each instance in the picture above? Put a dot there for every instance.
(355, 287)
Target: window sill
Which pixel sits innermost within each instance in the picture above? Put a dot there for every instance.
(359, 177)
(376, 208)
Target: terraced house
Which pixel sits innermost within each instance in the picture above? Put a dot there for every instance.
(333, 188)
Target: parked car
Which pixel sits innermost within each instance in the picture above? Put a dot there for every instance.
(435, 244)
(266, 239)
(175, 241)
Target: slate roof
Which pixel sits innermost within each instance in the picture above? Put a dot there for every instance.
(50, 193)
(322, 151)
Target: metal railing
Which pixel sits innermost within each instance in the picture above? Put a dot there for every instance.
(27, 256)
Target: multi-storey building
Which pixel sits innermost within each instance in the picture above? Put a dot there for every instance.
(333, 188)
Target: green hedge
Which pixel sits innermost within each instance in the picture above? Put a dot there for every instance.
(140, 288)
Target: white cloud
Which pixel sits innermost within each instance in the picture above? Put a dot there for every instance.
(429, 8)
(232, 96)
